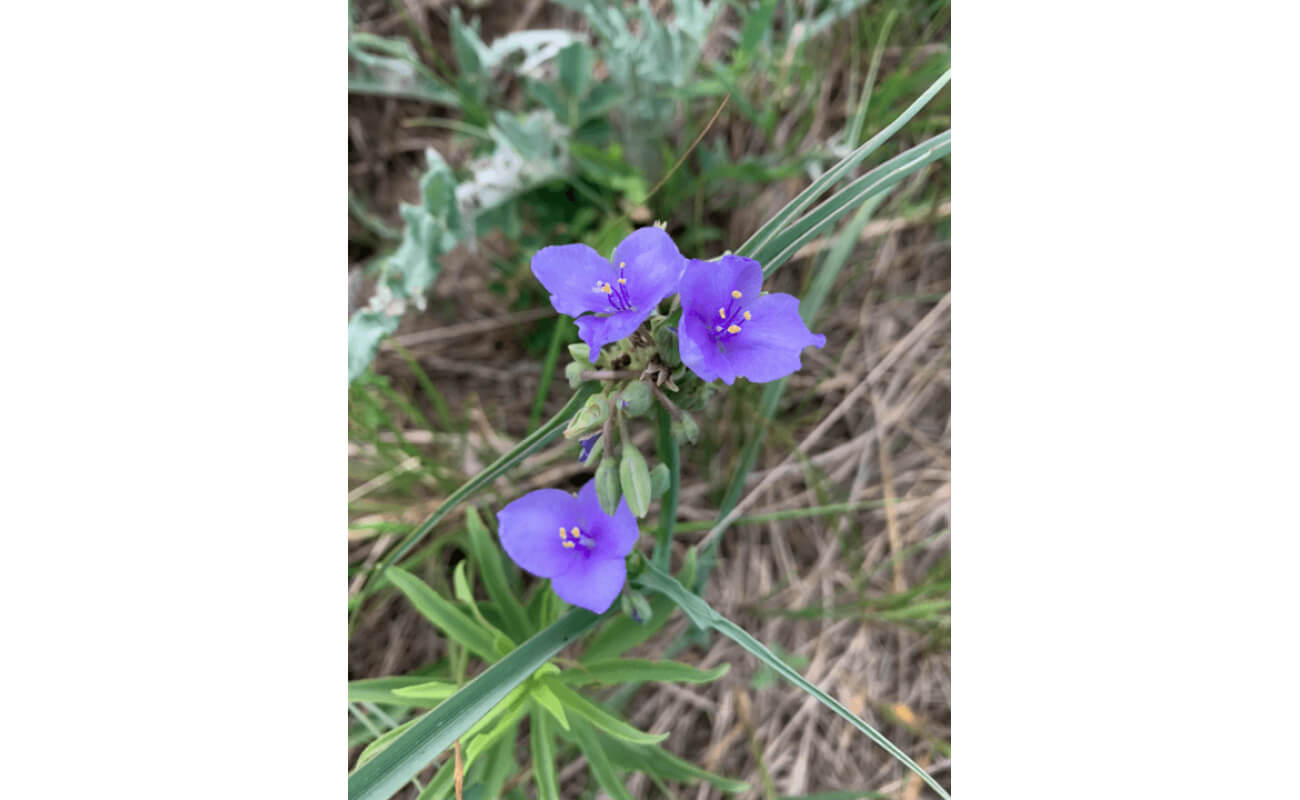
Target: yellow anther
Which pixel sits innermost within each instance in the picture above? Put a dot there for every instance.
(574, 532)
(622, 280)
(722, 312)
(563, 533)
(733, 329)
(622, 264)
(747, 316)
(606, 289)
(736, 293)
(569, 544)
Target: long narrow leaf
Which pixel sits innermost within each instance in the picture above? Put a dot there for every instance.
(877, 181)
(438, 729)
(808, 196)
(602, 719)
(623, 670)
(384, 690)
(703, 615)
(487, 559)
(548, 784)
(601, 767)
(654, 760)
(443, 614)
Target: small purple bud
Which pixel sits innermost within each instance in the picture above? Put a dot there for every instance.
(587, 444)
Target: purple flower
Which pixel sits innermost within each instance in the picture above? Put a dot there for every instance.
(587, 444)
(728, 329)
(619, 295)
(570, 540)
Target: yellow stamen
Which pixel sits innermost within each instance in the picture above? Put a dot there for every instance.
(747, 316)
(569, 544)
(622, 280)
(722, 312)
(736, 293)
(606, 289)
(622, 264)
(563, 533)
(733, 329)
(574, 532)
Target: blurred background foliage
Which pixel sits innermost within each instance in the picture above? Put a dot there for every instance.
(482, 131)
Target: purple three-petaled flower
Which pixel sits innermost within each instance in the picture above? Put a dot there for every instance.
(728, 329)
(620, 295)
(572, 541)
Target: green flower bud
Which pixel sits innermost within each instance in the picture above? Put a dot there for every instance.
(635, 399)
(607, 485)
(635, 477)
(659, 480)
(685, 428)
(636, 606)
(580, 352)
(589, 418)
(666, 346)
(573, 372)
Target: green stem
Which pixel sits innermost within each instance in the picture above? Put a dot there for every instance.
(670, 455)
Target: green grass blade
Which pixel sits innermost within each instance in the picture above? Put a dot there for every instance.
(703, 615)
(544, 697)
(808, 196)
(437, 730)
(623, 670)
(602, 719)
(444, 614)
(544, 777)
(879, 180)
(533, 441)
(656, 761)
(491, 569)
(429, 690)
(601, 767)
(384, 690)
(669, 454)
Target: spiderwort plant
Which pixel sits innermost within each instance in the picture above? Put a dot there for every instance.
(571, 540)
(610, 299)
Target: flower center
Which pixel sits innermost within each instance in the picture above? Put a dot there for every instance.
(573, 537)
(729, 320)
(616, 294)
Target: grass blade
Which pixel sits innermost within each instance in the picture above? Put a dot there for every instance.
(656, 761)
(590, 743)
(759, 240)
(443, 614)
(437, 730)
(703, 615)
(547, 782)
(602, 719)
(487, 558)
(623, 670)
(879, 180)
